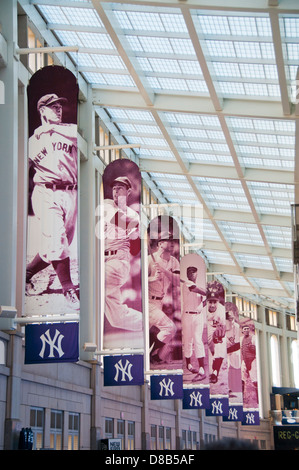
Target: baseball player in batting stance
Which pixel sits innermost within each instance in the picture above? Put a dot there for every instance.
(53, 154)
(122, 237)
(163, 272)
(216, 327)
(193, 322)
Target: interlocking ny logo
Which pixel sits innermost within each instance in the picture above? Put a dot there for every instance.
(195, 399)
(250, 418)
(46, 339)
(124, 369)
(216, 407)
(233, 414)
(167, 387)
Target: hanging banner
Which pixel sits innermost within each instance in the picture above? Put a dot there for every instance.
(194, 332)
(249, 373)
(165, 329)
(52, 273)
(166, 387)
(55, 342)
(123, 317)
(123, 370)
(217, 350)
(235, 398)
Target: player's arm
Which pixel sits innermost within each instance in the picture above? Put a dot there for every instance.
(69, 131)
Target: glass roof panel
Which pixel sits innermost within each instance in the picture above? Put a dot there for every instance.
(239, 52)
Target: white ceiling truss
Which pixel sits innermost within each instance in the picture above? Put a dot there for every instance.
(206, 90)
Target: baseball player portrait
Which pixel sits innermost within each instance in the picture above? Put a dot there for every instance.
(163, 279)
(193, 322)
(122, 244)
(52, 154)
(249, 366)
(233, 350)
(216, 328)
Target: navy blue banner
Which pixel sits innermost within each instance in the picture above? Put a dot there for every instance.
(123, 370)
(251, 418)
(166, 387)
(196, 398)
(55, 342)
(235, 413)
(218, 407)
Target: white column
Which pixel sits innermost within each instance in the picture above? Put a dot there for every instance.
(87, 231)
(9, 156)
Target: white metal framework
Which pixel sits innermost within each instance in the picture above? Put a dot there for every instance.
(206, 92)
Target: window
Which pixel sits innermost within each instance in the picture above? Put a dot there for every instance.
(2, 352)
(121, 432)
(271, 317)
(131, 435)
(56, 430)
(161, 438)
(295, 361)
(168, 438)
(275, 361)
(37, 426)
(108, 427)
(184, 439)
(153, 437)
(73, 433)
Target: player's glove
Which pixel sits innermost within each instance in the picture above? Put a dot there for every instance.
(219, 334)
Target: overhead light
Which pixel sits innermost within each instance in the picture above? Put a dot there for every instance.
(90, 347)
(7, 311)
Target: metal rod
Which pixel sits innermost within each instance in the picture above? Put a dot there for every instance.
(37, 50)
(164, 372)
(47, 319)
(112, 147)
(118, 351)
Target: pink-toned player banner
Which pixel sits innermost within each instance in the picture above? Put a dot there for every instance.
(123, 315)
(234, 362)
(52, 273)
(194, 332)
(164, 299)
(249, 372)
(217, 349)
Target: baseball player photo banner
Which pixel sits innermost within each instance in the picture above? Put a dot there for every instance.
(216, 324)
(164, 301)
(249, 373)
(52, 271)
(123, 315)
(194, 332)
(48, 343)
(233, 347)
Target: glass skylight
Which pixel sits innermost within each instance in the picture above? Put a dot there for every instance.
(238, 51)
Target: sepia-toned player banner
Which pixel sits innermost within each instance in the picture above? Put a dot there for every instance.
(233, 345)
(123, 313)
(249, 372)
(165, 326)
(217, 349)
(52, 273)
(194, 332)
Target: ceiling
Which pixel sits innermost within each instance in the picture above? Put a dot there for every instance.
(205, 90)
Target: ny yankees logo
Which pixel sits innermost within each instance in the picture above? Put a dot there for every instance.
(233, 414)
(250, 418)
(124, 369)
(217, 407)
(46, 339)
(195, 399)
(167, 387)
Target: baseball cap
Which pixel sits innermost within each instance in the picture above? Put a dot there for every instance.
(215, 291)
(165, 236)
(123, 180)
(49, 99)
